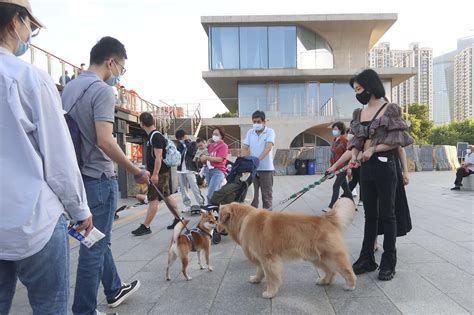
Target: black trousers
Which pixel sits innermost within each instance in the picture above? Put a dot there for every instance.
(355, 180)
(460, 174)
(378, 186)
(340, 182)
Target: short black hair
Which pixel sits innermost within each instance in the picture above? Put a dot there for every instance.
(107, 47)
(341, 126)
(199, 140)
(370, 81)
(221, 131)
(180, 134)
(9, 11)
(147, 119)
(258, 114)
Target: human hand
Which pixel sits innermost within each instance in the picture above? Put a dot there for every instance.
(204, 158)
(368, 154)
(86, 225)
(154, 179)
(330, 170)
(406, 180)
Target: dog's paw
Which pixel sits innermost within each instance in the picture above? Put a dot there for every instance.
(349, 288)
(201, 267)
(268, 295)
(189, 279)
(322, 281)
(210, 268)
(254, 279)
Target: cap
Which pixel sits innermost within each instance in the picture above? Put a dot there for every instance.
(25, 4)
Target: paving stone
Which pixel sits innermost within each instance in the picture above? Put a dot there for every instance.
(364, 306)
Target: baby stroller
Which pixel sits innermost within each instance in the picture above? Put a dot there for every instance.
(235, 190)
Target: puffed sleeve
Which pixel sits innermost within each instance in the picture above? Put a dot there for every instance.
(391, 128)
(358, 131)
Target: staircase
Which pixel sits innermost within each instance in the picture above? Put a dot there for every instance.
(188, 118)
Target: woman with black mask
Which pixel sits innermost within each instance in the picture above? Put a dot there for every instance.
(379, 130)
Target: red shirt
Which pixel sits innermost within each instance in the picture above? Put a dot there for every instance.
(219, 149)
(339, 146)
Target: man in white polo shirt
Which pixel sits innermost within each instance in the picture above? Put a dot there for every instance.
(259, 143)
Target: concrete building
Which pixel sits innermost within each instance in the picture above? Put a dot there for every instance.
(464, 84)
(419, 88)
(296, 68)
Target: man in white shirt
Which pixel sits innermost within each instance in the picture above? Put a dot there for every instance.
(259, 142)
(40, 176)
(466, 169)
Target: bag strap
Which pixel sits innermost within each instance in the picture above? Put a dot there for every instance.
(81, 96)
(378, 112)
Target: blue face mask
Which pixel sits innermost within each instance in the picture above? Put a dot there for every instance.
(22, 46)
(113, 80)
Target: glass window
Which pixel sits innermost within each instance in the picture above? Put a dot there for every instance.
(252, 97)
(224, 48)
(344, 101)
(313, 51)
(282, 46)
(253, 48)
(291, 98)
(312, 98)
(326, 97)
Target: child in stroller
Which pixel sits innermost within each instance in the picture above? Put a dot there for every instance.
(235, 190)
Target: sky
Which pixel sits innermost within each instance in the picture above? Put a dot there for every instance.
(167, 45)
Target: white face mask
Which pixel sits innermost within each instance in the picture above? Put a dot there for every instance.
(216, 138)
(336, 133)
(258, 127)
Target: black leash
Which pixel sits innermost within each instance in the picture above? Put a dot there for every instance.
(170, 208)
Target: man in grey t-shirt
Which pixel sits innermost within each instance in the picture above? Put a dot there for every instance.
(90, 101)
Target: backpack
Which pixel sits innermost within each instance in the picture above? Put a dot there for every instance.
(173, 157)
(74, 130)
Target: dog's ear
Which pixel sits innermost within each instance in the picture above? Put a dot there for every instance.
(225, 215)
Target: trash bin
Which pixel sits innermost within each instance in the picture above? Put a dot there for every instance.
(311, 167)
(301, 168)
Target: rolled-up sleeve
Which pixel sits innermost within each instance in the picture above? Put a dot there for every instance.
(61, 170)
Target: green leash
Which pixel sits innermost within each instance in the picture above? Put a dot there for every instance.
(300, 193)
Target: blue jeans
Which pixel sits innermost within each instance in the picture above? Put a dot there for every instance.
(214, 182)
(45, 275)
(96, 264)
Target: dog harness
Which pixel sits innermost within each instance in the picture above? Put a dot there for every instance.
(188, 234)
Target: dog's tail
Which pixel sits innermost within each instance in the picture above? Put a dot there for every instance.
(342, 213)
(178, 229)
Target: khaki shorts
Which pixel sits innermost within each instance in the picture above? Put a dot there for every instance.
(163, 186)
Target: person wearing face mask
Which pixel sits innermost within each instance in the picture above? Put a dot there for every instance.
(38, 183)
(187, 170)
(90, 101)
(379, 131)
(259, 142)
(338, 147)
(216, 161)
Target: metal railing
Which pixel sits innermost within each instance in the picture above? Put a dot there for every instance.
(188, 113)
(127, 100)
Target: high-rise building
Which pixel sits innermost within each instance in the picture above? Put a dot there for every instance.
(463, 84)
(445, 77)
(419, 88)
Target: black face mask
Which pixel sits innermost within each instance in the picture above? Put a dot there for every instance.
(364, 97)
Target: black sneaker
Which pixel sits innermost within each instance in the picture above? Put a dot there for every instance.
(456, 188)
(125, 291)
(142, 230)
(172, 225)
(363, 265)
(386, 274)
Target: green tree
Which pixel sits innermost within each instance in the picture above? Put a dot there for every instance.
(456, 131)
(420, 125)
(226, 115)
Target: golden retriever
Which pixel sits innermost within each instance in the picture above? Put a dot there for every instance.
(267, 238)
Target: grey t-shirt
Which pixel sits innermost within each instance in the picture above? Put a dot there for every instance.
(97, 104)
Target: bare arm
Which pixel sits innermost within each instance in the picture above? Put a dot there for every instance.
(107, 143)
(245, 150)
(268, 148)
(215, 159)
(343, 159)
(158, 160)
(403, 159)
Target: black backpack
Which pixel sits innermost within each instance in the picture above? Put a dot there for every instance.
(74, 128)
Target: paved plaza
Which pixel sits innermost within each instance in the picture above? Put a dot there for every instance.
(434, 271)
